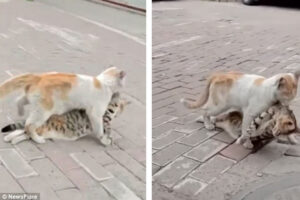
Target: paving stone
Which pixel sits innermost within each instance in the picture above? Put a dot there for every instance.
(129, 163)
(236, 152)
(128, 179)
(118, 190)
(29, 151)
(8, 183)
(15, 164)
(224, 137)
(189, 118)
(283, 165)
(155, 168)
(165, 156)
(61, 159)
(98, 172)
(197, 137)
(189, 128)
(190, 186)
(161, 120)
(175, 171)
(68, 194)
(293, 151)
(136, 152)
(38, 185)
(225, 187)
(102, 158)
(162, 129)
(166, 140)
(211, 169)
(96, 192)
(81, 179)
(51, 174)
(205, 150)
(254, 163)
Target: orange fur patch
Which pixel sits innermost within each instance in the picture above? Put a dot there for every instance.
(222, 83)
(49, 83)
(259, 81)
(97, 83)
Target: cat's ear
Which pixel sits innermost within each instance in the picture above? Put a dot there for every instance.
(280, 82)
(122, 74)
(297, 74)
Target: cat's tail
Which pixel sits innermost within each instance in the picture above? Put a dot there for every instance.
(200, 101)
(18, 82)
(13, 127)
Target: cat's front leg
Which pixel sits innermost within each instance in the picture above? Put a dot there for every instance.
(244, 139)
(96, 119)
(292, 139)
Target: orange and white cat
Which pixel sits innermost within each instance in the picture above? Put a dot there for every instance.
(247, 93)
(57, 93)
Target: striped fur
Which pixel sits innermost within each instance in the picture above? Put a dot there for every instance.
(74, 124)
(276, 122)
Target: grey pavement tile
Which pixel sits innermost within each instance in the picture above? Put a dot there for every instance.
(8, 183)
(81, 179)
(119, 190)
(205, 150)
(175, 171)
(166, 140)
(129, 163)
(51, 174)
(128, 179)
(197, 137)
(15, 164)
(29, 151)
(170, 153)
(97, 171)
(68, 194)
(38, 185)
(190, 186)
(211, 169)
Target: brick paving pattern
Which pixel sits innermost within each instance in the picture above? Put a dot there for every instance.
(35, 37)
(192, 39)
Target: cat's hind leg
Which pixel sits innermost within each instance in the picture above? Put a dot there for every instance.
(21, 102)
(20, 138)
(13, 135)
(36, 119)
(211, 111)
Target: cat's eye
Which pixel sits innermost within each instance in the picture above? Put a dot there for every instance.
(290, 123)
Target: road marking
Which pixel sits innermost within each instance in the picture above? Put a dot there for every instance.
(131, 37)
(136, 39)
(177, 42)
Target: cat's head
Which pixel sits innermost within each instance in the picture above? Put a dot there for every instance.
(117, 104)
(285, 123)
(113, 77)
(286, 87)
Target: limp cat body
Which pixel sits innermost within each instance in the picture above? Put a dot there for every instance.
(69, 126)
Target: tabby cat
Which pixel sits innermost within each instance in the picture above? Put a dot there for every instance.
(276, 122)
(69, 126)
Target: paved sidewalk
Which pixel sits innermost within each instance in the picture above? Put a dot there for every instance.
(192, 39)
(36, 37)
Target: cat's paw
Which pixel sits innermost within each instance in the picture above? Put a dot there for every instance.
(248, 144)
(209, 126)
(240, 140)
(200, 119)
(7, 138)
(106, 141)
